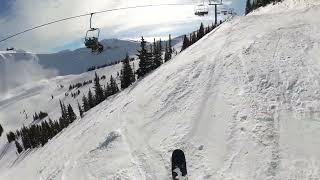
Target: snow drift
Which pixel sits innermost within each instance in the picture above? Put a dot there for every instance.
(243, 103)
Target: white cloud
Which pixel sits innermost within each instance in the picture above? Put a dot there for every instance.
(27, 13)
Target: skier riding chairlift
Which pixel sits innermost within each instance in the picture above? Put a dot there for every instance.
(201, 10)
(92, 42)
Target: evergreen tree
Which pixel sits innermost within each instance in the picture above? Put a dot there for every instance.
(99, 96)
(25, 136)
(170, 46)
(107, 90)
(91, 99)
(160, 45)
(170, 49)
(166, 53)
(85, 104)
(11, 137)
(157, 55)
(113, 86)
(35, 116)
(127, 76)
(200, 33)
(145, 57)
(186, 43)
(248, 7)
(72, 115)
(19, 147)
(80, 110)
(1, 130)
(64, 112)
(194, 38)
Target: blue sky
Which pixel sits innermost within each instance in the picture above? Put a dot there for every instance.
(17, 15)
(4, 7)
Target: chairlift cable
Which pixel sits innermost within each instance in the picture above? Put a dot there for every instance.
(88, 14)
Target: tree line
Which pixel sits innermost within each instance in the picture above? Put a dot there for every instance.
(196, 35)
(92, 68)
(153, 56)
(100, 94)
(39, 116)
(38, 135)
(252, 5)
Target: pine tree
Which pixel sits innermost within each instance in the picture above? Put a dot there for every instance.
(113, 86)
(91, 99)
(157, 55)
(99, 96)
(72, 115)
(85, 104)
(107, 90)
(170, 46)
(145, 57)
(25, 136)
(200, 33)
(248, 7)
(127, 76)
(19, 147)
(185, 44)
(11, 137)
(80, 110)
(64, 115)
(194, 38)
(63, 110)
(1, 130)
(160, 45)
(166, 53)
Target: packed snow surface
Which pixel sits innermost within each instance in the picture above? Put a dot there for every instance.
(243, 104)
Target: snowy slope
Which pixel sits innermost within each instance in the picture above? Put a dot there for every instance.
(242, 103)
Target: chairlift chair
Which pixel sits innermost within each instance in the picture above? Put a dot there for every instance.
(231, 11)
(92, 41)
(215, 2)
(224, 11)
(201, 10)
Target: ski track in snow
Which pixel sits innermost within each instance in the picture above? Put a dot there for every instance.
(242, 103)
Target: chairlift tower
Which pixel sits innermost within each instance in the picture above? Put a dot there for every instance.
(215, 3)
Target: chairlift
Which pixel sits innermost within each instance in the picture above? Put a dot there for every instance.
(231, 11)
(224, 11)
(215, 2)
(201, 10)
(91, 40)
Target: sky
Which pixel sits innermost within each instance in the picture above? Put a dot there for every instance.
(18, 15)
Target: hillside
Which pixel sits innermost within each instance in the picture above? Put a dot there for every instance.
(242, 103)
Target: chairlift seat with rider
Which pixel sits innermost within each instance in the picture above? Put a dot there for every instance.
(231, 11)
(215, 2)
(224, 11)
(201, 10)
(91, 40)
